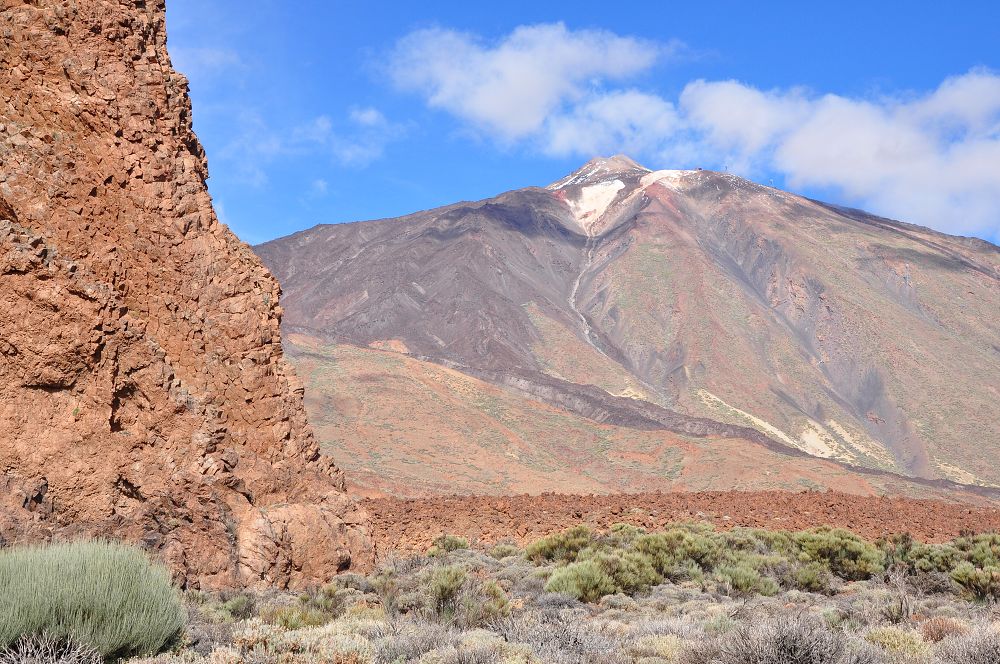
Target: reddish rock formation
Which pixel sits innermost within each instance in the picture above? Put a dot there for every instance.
(143, 393)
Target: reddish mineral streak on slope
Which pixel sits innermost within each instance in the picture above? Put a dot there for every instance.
(143, 392)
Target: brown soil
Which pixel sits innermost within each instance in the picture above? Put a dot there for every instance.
(403, 526)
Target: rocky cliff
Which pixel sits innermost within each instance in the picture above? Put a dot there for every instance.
(143, 392)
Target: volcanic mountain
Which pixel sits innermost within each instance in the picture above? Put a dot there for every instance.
(627, 329)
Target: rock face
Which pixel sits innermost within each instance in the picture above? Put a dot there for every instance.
(143, 392)
(830, 332)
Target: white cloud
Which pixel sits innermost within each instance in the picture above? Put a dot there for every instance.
(739, 120)
(253, 146)
(930, 158)
(510, 88)
(627, 121)
(367, 117)
(319, 187)
(360, 143)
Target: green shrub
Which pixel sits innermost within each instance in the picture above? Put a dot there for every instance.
(351, 581)
(631, 572)
(446, 544)
(981, 550)
(236, 607)
(240, 607)
(106, 596)
(834, 618)
(335, 598)
(847, 555)
(813, 577)
(623, 534)
(585, 580)
(672, 551)
(481, 605)
(443, 585)
(319, 606)
(743, 579)
(932, 558)
(719, 624)
(295, 616)
(561, 547)
(504, 550)
(688, 572)
(980, 584)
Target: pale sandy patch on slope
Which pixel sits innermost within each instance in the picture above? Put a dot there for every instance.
(960, 475)
(813, 440)
(863, 445)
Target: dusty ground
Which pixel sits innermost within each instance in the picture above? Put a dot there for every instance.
(451, 433)
(407, 526)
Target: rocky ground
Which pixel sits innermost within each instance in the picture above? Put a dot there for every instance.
(409, 526)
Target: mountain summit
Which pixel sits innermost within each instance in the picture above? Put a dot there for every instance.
(692, 302)
(602, 168)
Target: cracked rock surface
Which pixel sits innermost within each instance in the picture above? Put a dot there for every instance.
(143, 391)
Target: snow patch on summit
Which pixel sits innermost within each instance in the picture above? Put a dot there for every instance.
(668, 177)
(593, 201)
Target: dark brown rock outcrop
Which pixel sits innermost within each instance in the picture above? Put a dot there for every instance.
(143, 392)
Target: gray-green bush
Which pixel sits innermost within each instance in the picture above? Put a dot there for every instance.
(585, 580)
(446, 544)
(752, 562)
(790, 640)
(106, 596)
(979, 647)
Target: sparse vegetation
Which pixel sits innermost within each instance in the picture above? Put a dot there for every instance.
(978, 647)
(685, 595)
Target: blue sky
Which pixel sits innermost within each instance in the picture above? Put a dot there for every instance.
(343, 111)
